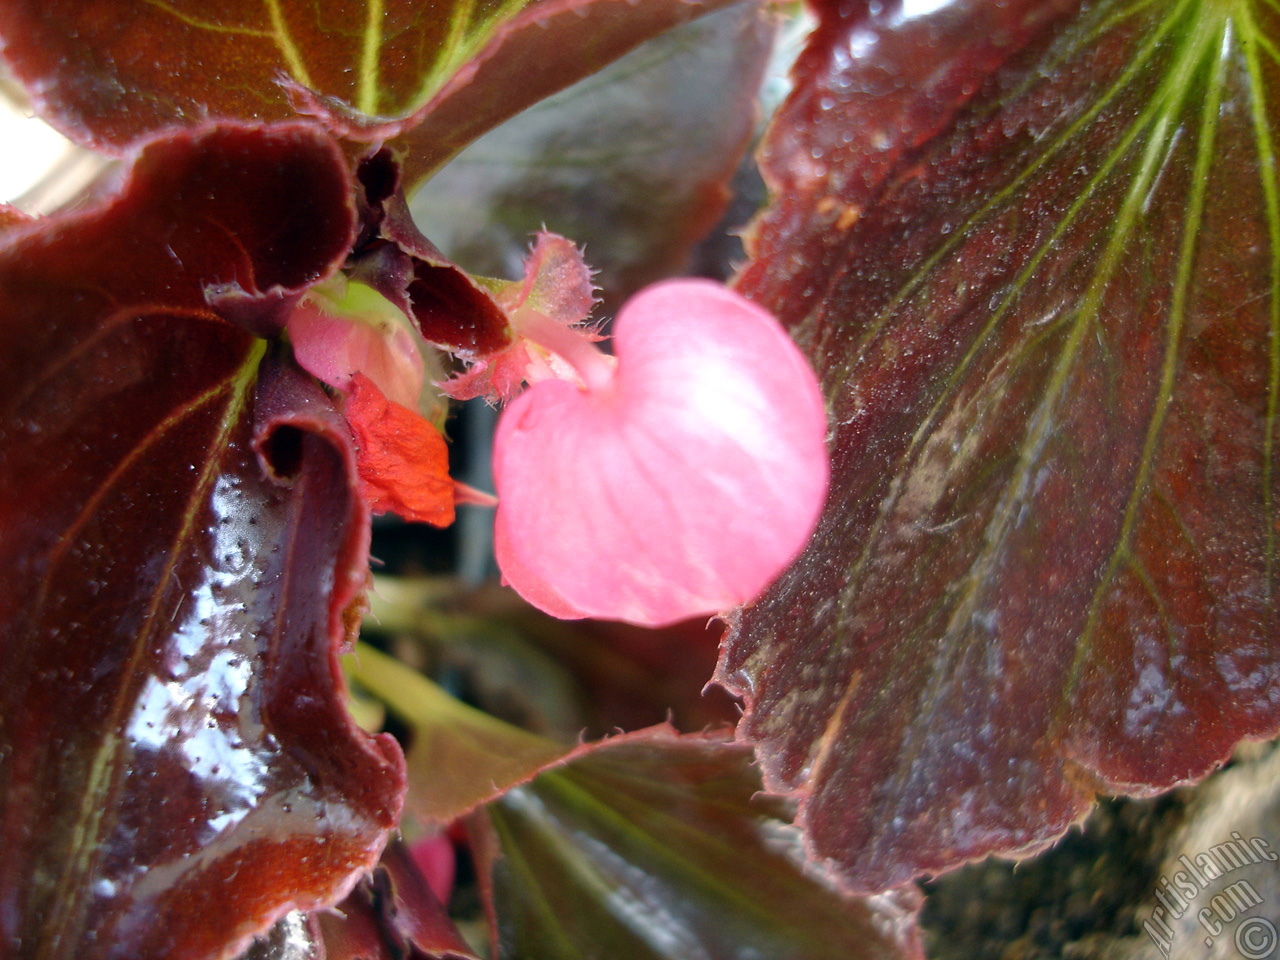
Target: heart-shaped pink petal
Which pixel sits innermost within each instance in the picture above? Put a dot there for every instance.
(681, 486)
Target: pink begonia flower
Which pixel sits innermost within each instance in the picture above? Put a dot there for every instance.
(679, 481)
(555, 289)
(333, 339)
(355, 340)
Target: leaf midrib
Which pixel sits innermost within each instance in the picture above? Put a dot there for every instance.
(66, 921)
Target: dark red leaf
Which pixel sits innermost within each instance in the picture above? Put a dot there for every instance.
(451, 309)
(393, 256)
(1034, 248)
(224, 216)
(391, 914)
(173, 733)
(413, 911)
(112, 71)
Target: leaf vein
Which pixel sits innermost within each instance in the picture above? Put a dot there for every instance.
(84, 847)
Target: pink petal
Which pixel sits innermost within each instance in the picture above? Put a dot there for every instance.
(684, 485)
(557, 287)
(556, 283)
(333, 348)
(436, 860)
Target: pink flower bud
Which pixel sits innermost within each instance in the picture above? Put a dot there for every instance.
(362, 332)
(678, 483)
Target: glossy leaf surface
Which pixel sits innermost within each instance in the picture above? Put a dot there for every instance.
(109, 72)
(657, 846)
(171, 726)
(1034, 249)
(112, 71)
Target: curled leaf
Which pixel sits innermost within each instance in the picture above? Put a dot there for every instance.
(172, 731)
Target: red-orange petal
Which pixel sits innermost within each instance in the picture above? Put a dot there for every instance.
(402, 460)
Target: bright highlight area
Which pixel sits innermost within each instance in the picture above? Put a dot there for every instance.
(31, 149)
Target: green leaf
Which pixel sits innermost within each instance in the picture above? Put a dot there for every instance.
(460, 757)
(654, 845)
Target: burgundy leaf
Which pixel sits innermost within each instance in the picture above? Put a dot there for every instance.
(393, 257)
(173, 733)
(451, 309)
(109, 72)
(1032, 248)
(191, 227)
(391, 914)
